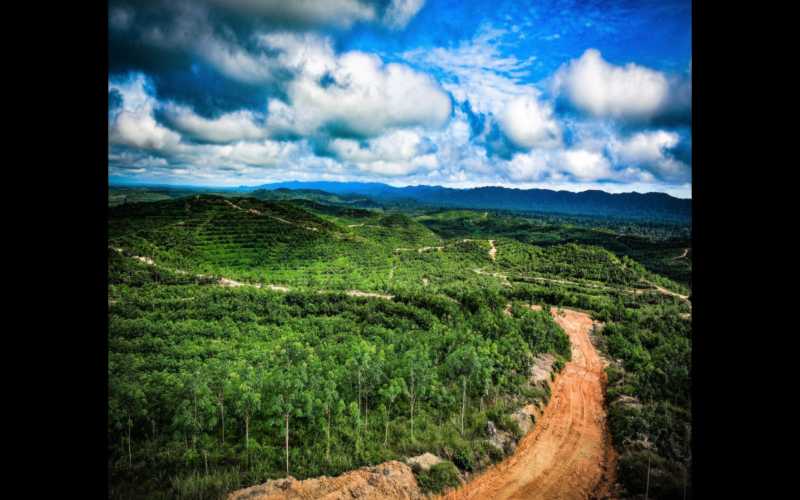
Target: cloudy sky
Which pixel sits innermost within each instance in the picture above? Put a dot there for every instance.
(550, 94)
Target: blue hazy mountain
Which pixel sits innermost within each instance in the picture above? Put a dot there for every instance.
(593, 202)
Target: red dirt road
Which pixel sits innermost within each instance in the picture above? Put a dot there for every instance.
(568, 455)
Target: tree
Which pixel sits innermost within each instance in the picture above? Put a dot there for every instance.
(196, 410)
(219, 379)
(127, 400)
(417, 373)
(288, 386)
(247, 395)
(467, 365)
(390, 393)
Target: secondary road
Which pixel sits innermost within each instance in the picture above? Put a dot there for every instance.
(568, 455)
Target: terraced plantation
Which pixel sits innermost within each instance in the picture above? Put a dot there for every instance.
(254, 338)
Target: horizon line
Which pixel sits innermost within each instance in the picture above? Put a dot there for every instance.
(118, 183)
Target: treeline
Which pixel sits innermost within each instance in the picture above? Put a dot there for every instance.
(211, 389)
(649, 396)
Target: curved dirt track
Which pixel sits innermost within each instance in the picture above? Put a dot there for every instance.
(568, 455)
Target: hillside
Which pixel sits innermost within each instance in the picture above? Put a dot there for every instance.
(250, 339)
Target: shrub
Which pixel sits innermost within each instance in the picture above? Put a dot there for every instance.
(666, 477)
(197, 485)
(438, 478)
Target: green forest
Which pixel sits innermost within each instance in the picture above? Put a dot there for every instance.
(253, 338)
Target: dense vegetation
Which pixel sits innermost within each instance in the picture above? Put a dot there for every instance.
(650, 404)
(658, 246)
(205, 377)
(384, 335)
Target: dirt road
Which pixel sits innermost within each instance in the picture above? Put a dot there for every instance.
(568, 454)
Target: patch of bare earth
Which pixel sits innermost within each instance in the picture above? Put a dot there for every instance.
(568, 455)
(424, 461)
(359, 293)
(388, 480)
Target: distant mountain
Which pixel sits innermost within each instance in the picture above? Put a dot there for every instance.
(594, 202)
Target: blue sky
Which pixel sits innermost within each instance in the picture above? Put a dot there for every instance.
(559, 95)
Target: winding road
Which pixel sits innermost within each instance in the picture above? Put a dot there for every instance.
(568, 455)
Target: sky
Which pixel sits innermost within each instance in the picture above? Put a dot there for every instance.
(565, 95)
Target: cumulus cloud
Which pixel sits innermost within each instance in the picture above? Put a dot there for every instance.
(650, 150)
(228, 127)
(560, 165)
(266, 153)
(132, 122)
(602, 89)
(354, 94)
(646, 146)
(529, 123)
(400, 152)
(586, 165)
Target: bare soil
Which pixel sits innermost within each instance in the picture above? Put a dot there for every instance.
(359, 293)
(387, 480)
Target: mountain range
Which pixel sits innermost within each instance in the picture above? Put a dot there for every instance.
(593, 202)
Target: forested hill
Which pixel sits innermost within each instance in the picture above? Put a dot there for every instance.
(629, 205)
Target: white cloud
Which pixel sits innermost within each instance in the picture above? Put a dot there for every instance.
(396, 153)
(650, 151)
(528, 167)
(602, 89)
(645, 146)
(259, 154)
(142, 131)
(355, 93)
(586, 165)
(528, 123)
(400, 12)
(559, 165)
(229, 127)
(134, 124)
